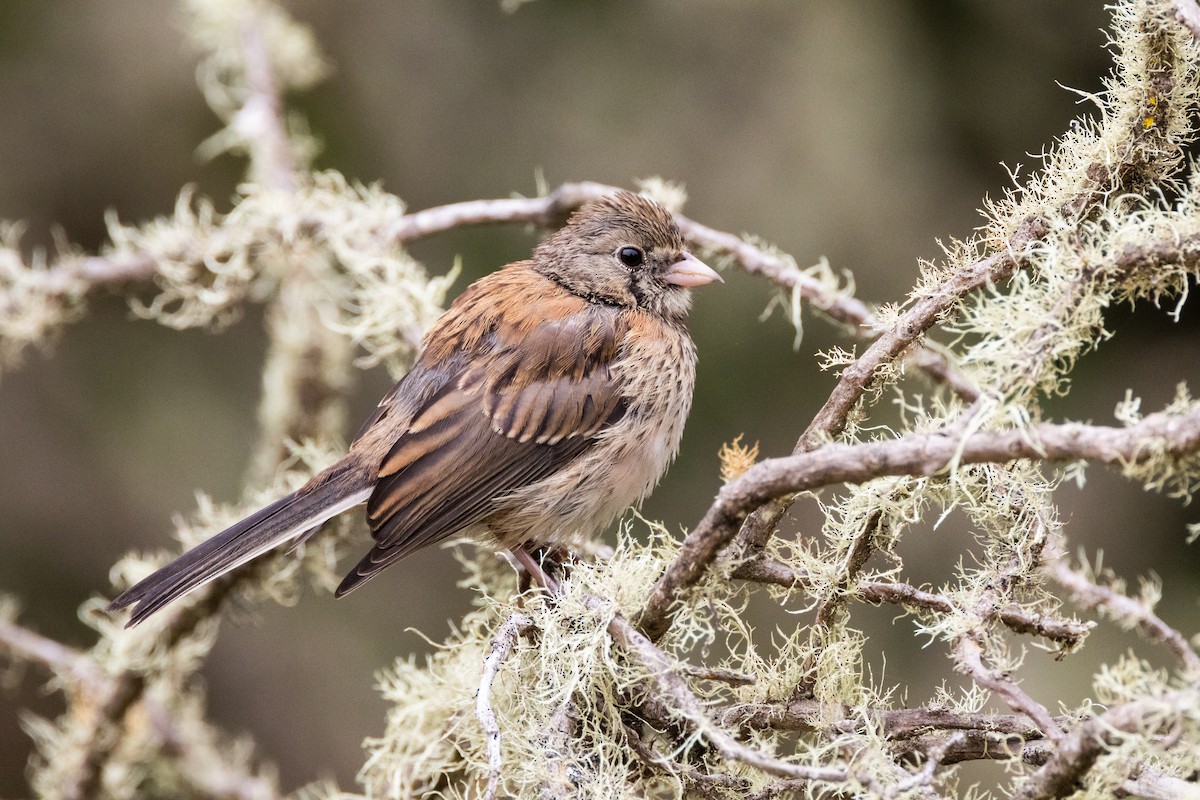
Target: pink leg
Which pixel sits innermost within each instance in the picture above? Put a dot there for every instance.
(531, 565)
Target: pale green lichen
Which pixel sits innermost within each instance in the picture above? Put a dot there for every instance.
(566, 666)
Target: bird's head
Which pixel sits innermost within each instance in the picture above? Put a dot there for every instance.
(624, 250)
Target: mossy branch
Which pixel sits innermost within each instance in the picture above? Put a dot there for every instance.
(1166, 443)
(554, 693)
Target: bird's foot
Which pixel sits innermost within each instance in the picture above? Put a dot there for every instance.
(539, 564)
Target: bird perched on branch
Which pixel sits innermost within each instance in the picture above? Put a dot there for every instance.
(548, 398)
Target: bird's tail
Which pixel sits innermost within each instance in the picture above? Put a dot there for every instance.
(288, 518)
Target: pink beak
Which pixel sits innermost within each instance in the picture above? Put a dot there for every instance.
(691, 271)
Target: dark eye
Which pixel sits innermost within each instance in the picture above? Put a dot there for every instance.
(631, 256)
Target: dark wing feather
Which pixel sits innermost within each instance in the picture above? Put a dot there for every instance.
(527, 393)
(287, 519)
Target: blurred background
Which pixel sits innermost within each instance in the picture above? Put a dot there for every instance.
(859, 132)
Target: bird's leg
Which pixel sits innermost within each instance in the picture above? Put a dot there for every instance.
(534, 568)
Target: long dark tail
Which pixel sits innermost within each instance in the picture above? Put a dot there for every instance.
(286, 519)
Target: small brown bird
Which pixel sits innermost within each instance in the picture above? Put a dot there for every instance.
(547, 399)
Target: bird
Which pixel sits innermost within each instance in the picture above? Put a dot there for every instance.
(548, 398)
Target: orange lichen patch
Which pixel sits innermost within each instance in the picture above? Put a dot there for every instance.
(736, 458)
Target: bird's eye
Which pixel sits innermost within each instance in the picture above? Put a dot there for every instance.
(631, 256)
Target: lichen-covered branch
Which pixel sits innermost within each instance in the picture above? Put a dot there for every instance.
(502, 645)
(673, 690)
(202, 765)
(1068, 633)
(1125, 610)
(1078, 752)
(1158, 439)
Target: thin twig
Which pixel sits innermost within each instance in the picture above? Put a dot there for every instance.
(1068, 632)
(502, 645)
(1125, 609)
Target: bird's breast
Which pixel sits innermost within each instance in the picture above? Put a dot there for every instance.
(656, 367)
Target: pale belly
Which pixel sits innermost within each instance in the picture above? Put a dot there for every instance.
(622, 467)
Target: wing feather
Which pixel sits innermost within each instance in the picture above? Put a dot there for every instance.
(530, 389)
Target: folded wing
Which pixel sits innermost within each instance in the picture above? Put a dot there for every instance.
(526, 394)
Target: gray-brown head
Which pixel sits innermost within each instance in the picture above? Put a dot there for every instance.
(624, 250)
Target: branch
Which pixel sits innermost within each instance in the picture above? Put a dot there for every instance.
(969, 659)
(1020, 620)
(830, 420)
(703, 784)
(920, 454)
(553, 208)
(1154, 784)
(854, 381)
(1078, 751)
(680, 698)
(204, 768)
(935, 756)
(260, 120)
(1125, 609)
(896, 724)
(297, 394)
(74, 667)
(502, 645)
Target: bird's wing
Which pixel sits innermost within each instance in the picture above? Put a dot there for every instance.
(527, 390)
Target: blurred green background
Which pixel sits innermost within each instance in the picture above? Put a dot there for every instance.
(855, 131)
